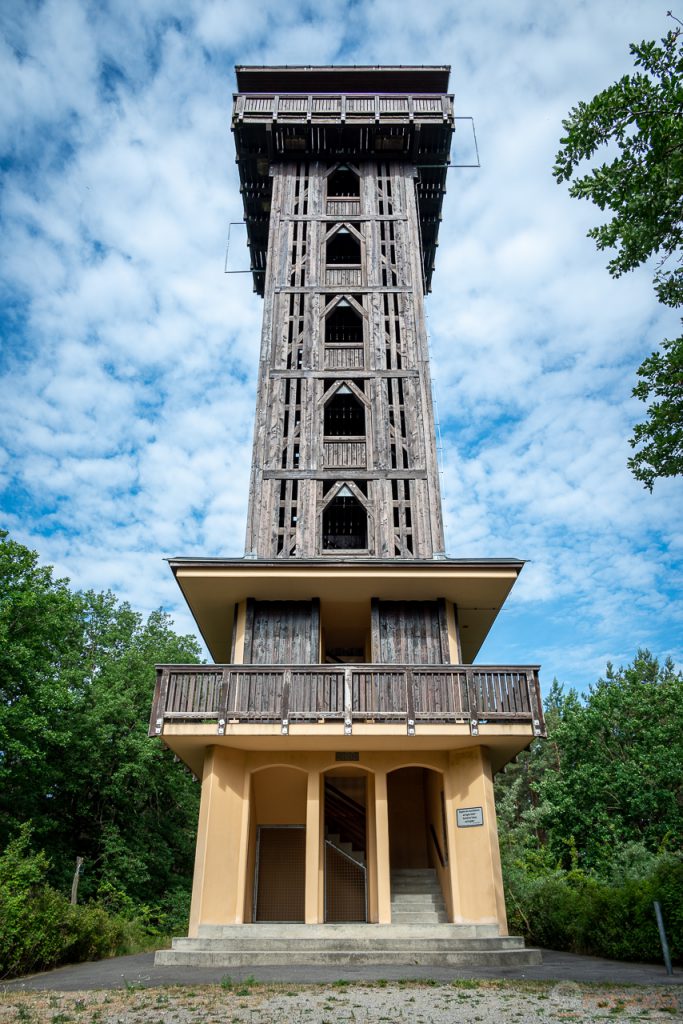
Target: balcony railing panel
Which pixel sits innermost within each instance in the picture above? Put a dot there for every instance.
(344, 357)
(416, 694)
(327, 106)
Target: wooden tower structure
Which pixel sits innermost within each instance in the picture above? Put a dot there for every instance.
(344, 740)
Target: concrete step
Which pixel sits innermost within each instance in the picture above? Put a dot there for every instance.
(347, 945)
(494, 957)
(419, 917)
(418, 900)
(362, 933)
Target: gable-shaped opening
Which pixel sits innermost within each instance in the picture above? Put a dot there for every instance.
(344, 522)
(343, 183)
(344, 325)
(344, 414)
(343, 248)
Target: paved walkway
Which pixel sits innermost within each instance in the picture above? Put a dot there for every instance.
(120, 972)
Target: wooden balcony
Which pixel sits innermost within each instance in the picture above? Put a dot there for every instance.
(288, 694)
(340, 108)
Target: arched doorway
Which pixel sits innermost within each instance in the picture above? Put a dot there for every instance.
(418, 849)
(346, 845)
(278, 802)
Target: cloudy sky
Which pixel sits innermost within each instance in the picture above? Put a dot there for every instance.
(128, 355)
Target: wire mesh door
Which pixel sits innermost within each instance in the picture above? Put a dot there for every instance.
(280, 873)
(345, 886)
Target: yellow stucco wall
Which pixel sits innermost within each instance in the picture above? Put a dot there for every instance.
(243, 789)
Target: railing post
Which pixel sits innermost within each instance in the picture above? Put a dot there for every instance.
(472, 701)
(348, 701)
(410, 702)
(156, 718)
(284, 714)
(223, 701)
(535, 702)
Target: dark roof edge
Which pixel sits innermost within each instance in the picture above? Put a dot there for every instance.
(338, 563)
(354, 78)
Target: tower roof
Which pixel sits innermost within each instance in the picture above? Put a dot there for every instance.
(342, 114)
(356, 79)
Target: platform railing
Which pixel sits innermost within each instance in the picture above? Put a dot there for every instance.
(285, 694)
(352, 106)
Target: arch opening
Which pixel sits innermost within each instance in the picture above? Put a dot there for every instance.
(343, 325)
(343, 248)
(343, 183)
(344, 522)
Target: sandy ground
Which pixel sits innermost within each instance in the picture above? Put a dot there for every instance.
(379, 1002)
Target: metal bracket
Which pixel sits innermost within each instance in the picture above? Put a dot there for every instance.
(284, 730)
(221, 727)
(159, 725)
(411, 726)
(474, 727)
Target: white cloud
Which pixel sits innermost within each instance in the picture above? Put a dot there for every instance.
(129, 384)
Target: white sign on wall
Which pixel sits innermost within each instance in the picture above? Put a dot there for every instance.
(468, 817)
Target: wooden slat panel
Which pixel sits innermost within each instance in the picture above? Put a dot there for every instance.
(343, 277)
(379, 694)
(343, 207)
(410, 632)
(344, 454)
(342, 357)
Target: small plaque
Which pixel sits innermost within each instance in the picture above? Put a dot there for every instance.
(347, 755)
(468, 817)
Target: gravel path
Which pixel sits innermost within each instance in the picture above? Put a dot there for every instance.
(381, 1002)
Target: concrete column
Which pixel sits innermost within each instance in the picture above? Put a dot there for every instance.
(476, 877)
(314, 865)
(221, 840)
(382, 849)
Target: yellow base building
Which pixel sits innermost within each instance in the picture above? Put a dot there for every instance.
(344, 739)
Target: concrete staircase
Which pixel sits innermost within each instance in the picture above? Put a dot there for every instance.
(336, 840)
(252, 945)
(416, 898)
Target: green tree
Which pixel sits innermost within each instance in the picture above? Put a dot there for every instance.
(76, 683)
(618, 774)
(640, 119)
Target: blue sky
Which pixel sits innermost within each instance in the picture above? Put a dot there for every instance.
(128, 357)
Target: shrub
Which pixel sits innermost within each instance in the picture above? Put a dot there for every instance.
(575, 911)
(39, 929)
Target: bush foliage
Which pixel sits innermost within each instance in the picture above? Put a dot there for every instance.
(591, 819)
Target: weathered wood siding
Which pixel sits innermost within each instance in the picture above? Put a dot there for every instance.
(293, 463)
(410, 632)
(282, 633)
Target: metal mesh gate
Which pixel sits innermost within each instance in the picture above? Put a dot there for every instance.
(345, 886)
(280, 873)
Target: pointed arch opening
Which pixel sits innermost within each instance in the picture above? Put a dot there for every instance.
(343, 183)
(344, 415)
(345, 519)
(344, 324)
(343, 248)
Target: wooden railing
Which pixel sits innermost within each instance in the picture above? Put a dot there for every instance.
(414, 694)
(323, 106)
(346, 453)
(344, 356)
